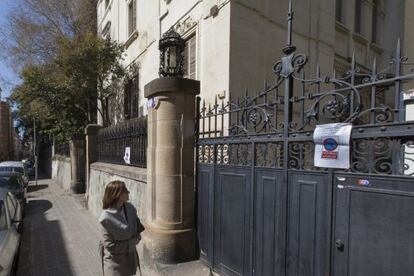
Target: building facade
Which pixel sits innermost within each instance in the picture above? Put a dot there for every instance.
(231, 46)
(6, 133)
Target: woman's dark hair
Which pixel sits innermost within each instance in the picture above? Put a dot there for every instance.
(113, 191)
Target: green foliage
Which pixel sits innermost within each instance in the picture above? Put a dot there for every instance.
(62, 95)
(62, 64)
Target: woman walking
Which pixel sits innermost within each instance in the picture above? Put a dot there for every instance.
(121, 230)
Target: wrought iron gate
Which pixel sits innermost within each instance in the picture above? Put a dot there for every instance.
(265, 209)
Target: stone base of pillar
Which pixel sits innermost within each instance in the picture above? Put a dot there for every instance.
(77, 187)
(168, 246)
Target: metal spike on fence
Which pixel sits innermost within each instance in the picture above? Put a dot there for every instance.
(397, 101)
(318, 71)
(398, 58)
(209, 120)
(353, 61)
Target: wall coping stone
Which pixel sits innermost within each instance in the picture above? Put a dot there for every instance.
(61, 158)
(129, 172)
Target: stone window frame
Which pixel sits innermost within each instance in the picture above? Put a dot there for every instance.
(132, 17)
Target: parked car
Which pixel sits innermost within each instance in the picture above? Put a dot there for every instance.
(29, 164)
(13, 182)
(10, 229)
(15, 166)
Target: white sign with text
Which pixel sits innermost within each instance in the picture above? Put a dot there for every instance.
(332, 145)
(127, 155)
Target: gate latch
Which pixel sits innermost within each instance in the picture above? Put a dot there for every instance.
(339, 244)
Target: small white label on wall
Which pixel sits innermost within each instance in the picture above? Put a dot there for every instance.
(332, 145)
(127, 156)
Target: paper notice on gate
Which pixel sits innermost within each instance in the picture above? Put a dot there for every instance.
(332, 145)
(127, 155)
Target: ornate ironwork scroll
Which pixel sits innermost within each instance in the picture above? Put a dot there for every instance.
(287, 109)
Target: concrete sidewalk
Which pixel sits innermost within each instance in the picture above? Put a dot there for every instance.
(60, 237)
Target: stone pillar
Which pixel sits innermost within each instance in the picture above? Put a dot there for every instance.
(91, 132)
(77, 158)
(170, 235)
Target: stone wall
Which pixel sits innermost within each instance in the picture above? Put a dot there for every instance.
(134, 178)
(61, 171)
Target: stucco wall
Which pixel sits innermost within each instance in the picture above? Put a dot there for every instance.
(189, 17)
(134, 178)
(61, 171)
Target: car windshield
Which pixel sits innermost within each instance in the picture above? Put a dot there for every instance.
(10, 182)
(3, 218)
(11, 169)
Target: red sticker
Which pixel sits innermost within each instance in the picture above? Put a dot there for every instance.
(329, 154)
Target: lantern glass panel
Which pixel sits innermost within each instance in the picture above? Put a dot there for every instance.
(173, 57)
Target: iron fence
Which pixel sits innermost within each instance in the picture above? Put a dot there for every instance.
(62, 149)
(124, 143)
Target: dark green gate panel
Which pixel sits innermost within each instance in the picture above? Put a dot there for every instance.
(374, 226)
(309, 218)
(270, 226)
(205, 180)
(232, 216)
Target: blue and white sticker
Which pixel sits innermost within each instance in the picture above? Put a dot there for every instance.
(363, 182)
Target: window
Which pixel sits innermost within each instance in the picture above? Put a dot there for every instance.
(9, 182)
(106, 32)
(375, 17)
(131, 98)
(190, 57)
(339, 11)
(358, 16)
(132, 17)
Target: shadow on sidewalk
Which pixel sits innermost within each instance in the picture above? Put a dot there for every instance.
(41, 176)
(34, 188)
(42, 248)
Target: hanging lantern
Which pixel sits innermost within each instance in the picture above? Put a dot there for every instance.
(171, 54)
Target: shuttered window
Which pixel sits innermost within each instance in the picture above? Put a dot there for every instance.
(132, 17)
(190, 58)
(131, 98)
